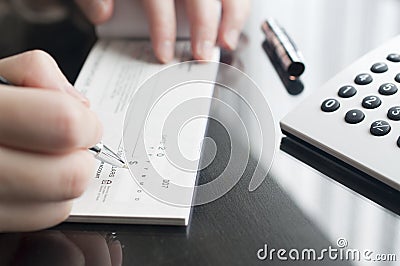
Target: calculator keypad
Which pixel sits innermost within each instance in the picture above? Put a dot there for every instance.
(355, 116)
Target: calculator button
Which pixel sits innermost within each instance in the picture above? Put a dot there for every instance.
(397, 78)
(393, 57)
(380, 128)
(394, 113)
(388, 89)
(354, 116)
(363, 79)
(330, 105)
(347, 91)
(379, 68)
(371, 102)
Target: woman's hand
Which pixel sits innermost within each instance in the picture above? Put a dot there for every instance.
(45, 130)
(203, 15)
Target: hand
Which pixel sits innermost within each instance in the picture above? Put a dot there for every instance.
(203, 15)
(45, 130)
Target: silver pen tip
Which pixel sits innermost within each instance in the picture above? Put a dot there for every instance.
(108, 156)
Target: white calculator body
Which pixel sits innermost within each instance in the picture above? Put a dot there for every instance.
(355, 117)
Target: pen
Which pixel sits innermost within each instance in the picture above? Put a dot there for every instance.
(287, 53)
(106, 155)
(100, 151)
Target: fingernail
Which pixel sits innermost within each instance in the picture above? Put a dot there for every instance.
(205, 50)
(165, 51)
(232, 38)
(76, 94)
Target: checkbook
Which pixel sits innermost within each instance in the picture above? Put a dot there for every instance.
(115, 69)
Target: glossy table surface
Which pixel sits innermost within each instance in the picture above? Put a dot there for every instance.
(296, 207)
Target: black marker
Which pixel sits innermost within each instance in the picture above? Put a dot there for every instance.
(288, 56)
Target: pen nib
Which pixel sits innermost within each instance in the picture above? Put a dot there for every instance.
(108, 156)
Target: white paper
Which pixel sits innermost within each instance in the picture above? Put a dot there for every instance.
(109, 78)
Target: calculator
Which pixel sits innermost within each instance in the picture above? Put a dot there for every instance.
(355, 117)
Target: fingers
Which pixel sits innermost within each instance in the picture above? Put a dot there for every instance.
(203, 16)
(234, 14)
(37, 69)
(162, 22)
(34, 123)
(45, 121)
(32, 216)
(32, 177)
(97, 11)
